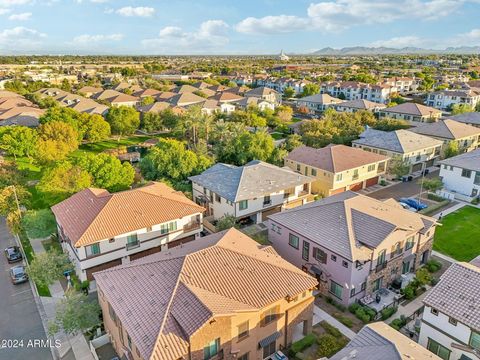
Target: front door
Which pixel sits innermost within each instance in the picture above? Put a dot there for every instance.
(377, 284)
(424, 257)
(405, 267)
(269, 349)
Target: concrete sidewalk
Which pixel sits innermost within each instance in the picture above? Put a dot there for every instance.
(319, 315)
(412, 306)
(73, 347)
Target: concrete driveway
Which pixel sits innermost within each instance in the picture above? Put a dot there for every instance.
(19, 317)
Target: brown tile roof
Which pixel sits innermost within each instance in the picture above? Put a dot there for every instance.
(447, 129)
(92, 214)
(176, 292)
(362, 104)
(227, 97)
(413, 109)
(334, 158)
(11, 102)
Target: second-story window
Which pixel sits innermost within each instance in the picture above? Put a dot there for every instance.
(169, 227)
(132, 241)
(475, 340)
(218, 198)
(339, 177)
(410, 242)
(269, 316)
(211, 349)
(320, 255)
(314, 172)
(92, 250)
(293, 241)
(243, 204)
(267, 200)
(381, 257)
(243, 330)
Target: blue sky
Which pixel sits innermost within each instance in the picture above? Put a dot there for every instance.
(231, 27)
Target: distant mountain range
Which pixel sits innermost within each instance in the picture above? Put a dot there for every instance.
(362, 50)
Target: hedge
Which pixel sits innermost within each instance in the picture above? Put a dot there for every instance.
(302, 344)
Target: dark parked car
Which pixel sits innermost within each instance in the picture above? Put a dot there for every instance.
(13, 254)
(417, 205)
(18, 274)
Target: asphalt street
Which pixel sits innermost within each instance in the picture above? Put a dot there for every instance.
(21, 330)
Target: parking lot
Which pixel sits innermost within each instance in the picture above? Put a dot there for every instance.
(19, 317)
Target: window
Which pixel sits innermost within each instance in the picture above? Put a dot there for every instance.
(211, 349)
(410, 242)
(336, 289)
(288, 192)
(355, 174)
(243, 204)
(244, 357)
(269, 316)
(339, 177)
(132, 241)
(364, 286)
(466, 173)
(306, 250)
(476, 180)
(320, 255)
(293, 241)
(314, 172)
(169, 227)
(434, 311)
(243, 330)
(298, 167)
(218, 198)
(475, 340)
(333, 257)
(345, 264)
(437, 349)
(381, 257)
(266, 200)
(452, 321)
(92, 249)
(352, 292)
(371, 167)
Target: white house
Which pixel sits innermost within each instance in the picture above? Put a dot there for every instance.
(251, 192)
(317, 102)
(354, 90)
(461, 175)
(445, 99)
(451, 319)
(100, 230)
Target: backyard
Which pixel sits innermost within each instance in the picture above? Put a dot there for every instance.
(458, 236)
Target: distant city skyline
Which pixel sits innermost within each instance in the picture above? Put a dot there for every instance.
(231, 27)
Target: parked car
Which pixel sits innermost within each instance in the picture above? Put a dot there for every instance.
(414, 203)
(407, 207)
(18, 275)
(13, 254)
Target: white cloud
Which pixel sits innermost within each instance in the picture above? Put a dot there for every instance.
(4, 11)
(211, 34)
(471, 38)
(400, 42)
(21, 38)
(337, 15)
(14, 2)
(87, 39)
(140, 11)
(20, 17)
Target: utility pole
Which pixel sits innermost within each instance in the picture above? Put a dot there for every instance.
(424, 167)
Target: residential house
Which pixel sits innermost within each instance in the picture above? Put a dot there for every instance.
(461, 175)
(116, 98)
(218, 298)
(360, 104)
(416, 150)
(99, 229)
(211, 106)
(411, 112)
(354, 90)
(355, 245)
(316, 103)
(265, 94)
(185, 99)
(337, 168)
(380, 341)
(88, 91)
(469, 118)
(404, 85)
(449, 131)
(16, 110)
(261, 104)
(445, 99)
(451, 318)
(251, 192)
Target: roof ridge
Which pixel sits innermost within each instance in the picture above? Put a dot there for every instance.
(350, 230)
(398, 139)
(448, 128)
(239, 182)
(332, 158)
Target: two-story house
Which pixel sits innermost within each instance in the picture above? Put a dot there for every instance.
(461, 176)
(411, 112)
(99, 229)
(316, 103)
(418, 151)
(358, 105)
(218, 298)
(466, 137)
(355, 245)
(445, 99)
(265, 93)
(469, 118)
(451, 319)
(251, 192)
(337, 168)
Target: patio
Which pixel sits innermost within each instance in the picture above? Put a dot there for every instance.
(380, 299)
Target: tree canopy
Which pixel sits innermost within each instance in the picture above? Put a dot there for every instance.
(123, 120)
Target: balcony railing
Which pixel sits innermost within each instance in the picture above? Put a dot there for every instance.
(381, 266)
(191, 226)
(267, 203)
(132, 245)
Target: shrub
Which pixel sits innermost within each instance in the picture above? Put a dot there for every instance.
(397, 324)
(362, 315)
(476, 200)
(332, 330)
(328, 345)
(339, 306)
(409, 292)
(329, 300)
(423, 276)
(434, 281)
(302, 344)
(354, 307)
(433, 266)
(387, 312)
(370, 312)
(343, 319)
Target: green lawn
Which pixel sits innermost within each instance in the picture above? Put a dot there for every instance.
(459, 234)
(109, 144)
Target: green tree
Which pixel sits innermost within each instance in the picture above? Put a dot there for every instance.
(62, 181)
(451, 150)
(56, 140)
(39, 223)
(388, 124)
(95, 128)
(227, 222)
(123, 120)
(293, 141)
(399, 167)
(75, 313)
(107, 171)
(147, 100)
(284, 113)
(151, 122)
(310, 89)
(461, 109)
(18, 141)
(288, 92)
(48, 267)
(170, 159)
(9, 196)
(432, 185)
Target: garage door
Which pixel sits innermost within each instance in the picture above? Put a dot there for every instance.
(181, 241)
(372, 181)
(274, 211)
(417, 167)
(145, 253)
(337, 191)
(430, 163)
(357, 186)
(101, 267)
